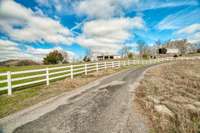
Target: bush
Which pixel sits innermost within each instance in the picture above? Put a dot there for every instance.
(130, 55)
(175, 56)
(145, 56)
(162, 51)
(86, 59)
(53, 58)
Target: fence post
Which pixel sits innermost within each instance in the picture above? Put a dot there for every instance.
(128, 63)
(113, 64)
(85, 69)
(97, 68)
(9, 83)
(72, 75)
(47, 76)
(105, 65)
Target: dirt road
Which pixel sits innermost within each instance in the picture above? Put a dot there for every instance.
(106, 107)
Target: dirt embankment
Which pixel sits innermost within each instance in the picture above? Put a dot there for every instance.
(170, 96)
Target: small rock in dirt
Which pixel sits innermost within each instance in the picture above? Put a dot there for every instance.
(197, 104)
(162, 109)
(191, 107)
(153, 99)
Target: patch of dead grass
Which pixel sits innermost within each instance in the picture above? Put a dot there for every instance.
(170, 96)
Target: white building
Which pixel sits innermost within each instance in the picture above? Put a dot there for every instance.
(100, 57)
(107, 57)
(172, 51)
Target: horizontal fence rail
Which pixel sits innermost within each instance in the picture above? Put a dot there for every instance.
(12, 80)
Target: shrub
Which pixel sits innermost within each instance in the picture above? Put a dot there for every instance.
(145, 56)
(53, 58)
(162, 51)
(86, 59)
(130, 55)
(175, 55)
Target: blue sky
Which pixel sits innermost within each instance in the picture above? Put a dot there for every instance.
(32, 28)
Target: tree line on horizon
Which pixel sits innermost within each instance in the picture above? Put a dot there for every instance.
(144, 51)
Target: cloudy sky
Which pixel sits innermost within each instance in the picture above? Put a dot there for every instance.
(32, 28)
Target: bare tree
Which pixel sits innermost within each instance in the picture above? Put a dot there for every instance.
(65, 57)
(125, 51)
(182, 45)
(141, 46)
(158, 43)
(88, 55)
(88, 52)
(194, 47)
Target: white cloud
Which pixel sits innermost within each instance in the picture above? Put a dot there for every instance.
(11, 50)
(102, 8)
(195, 38)
(108, 35)
(191, 33)
(189, 29)
(180, 19)
(90, 8)
(142, 5)
(43, 2)
(21, 23)
(109, 8)
(40, 53)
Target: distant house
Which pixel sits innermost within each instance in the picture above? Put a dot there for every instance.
(165, 52)
(172, 51)
(107, 57)
(101, 57)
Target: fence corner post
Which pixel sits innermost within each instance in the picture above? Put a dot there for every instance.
(9, 81)
(47, 76)
(72, 74)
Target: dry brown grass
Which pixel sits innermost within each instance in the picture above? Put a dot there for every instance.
(170, 97)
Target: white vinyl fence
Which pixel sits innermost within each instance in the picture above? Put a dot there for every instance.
(11, 80)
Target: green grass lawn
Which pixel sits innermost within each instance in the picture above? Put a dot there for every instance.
(23, 68)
